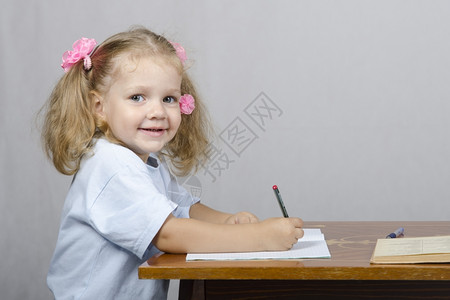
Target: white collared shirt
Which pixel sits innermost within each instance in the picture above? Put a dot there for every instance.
(114, 208)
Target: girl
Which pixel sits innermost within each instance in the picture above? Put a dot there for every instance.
(117, 114)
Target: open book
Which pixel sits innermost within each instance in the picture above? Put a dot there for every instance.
(435, 249)
(311, 245)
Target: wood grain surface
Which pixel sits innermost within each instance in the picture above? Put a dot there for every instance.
(347, 275)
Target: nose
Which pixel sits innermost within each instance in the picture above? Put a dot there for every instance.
(156, 110)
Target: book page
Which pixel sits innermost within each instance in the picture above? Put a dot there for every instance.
(311, 245)
(412, 246)
(438, 244)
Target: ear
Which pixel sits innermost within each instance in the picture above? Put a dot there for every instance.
(98, 105)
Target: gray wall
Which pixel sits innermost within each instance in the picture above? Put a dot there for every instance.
(342, 104)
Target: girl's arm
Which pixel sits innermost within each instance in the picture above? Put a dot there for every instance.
(179, 235)
(202, 212)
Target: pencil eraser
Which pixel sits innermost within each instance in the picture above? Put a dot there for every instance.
(275, 187)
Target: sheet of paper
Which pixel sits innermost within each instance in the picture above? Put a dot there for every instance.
(311, 245)
(412, 246)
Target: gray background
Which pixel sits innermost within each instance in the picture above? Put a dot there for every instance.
(359, 128)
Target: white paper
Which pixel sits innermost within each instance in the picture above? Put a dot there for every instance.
(311, 245)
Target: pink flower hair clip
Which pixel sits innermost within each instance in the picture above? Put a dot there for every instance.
(187, 104)
(82, 49)
(181, 53)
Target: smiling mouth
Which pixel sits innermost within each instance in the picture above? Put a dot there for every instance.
(152, 129)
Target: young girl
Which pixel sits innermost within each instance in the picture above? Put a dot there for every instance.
(119, 111)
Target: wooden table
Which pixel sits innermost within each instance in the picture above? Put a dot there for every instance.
(347, 275)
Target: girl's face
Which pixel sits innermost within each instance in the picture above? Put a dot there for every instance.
(141, 107)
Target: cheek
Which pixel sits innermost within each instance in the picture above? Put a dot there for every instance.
(110, 117)
(118, 113)
(120, 119)
(178, 121)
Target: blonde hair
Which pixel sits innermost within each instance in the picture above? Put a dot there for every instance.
(70, 124)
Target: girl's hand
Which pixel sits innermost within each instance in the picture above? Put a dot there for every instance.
(242, 217)
(280, 233)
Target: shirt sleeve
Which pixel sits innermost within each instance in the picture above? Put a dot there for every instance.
(129, 211)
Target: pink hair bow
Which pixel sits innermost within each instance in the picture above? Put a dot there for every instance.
(181, 53)
(187, 104)
(82, 48)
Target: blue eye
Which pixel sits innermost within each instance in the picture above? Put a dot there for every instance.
(137, 98)
(169, 99)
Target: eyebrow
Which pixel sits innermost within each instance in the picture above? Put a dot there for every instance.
(137, 88)
(175, 91)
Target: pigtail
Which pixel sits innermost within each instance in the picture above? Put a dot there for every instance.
(69, 124)
(189, 148)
